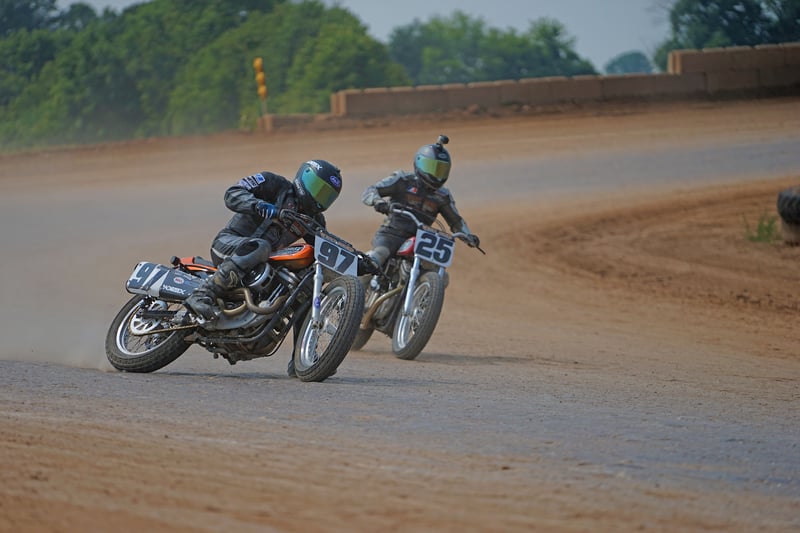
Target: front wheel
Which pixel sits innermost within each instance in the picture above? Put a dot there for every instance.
(135, 344)
(321, 348)
(413, 331)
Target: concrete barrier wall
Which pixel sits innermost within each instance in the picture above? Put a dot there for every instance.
(760, 70)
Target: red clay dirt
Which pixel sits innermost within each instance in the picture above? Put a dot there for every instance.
(648, 296)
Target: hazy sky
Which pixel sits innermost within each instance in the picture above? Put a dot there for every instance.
(602, 28)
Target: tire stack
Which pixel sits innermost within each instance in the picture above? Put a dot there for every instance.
(789, 211)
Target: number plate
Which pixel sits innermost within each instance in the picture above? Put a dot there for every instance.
(331, 255)
(145, 275)
(161, 281)
(435, 248)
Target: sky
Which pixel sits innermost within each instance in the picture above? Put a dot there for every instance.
(602, 29)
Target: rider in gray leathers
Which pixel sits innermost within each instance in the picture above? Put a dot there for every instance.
(420, 191)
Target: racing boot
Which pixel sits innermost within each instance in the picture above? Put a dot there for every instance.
(203, 299)
(365, 273)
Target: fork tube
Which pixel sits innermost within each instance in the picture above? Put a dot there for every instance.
(317, 293)
(412, 283)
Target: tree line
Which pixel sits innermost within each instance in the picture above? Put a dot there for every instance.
(176, 67)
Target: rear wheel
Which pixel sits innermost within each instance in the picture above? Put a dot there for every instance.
(789, 205)
(321, 348)
(134, 343)
(413, 331)
(362, 337)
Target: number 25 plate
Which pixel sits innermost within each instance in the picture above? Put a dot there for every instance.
(434, 247)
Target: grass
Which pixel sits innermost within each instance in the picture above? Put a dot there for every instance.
(766, 230)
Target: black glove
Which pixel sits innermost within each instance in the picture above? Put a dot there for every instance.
(472, 240)
(381, 206)
(265, 209)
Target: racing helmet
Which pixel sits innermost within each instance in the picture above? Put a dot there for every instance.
(318, 184)
(432, 163)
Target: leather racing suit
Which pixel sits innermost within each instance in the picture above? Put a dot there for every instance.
(426, 203)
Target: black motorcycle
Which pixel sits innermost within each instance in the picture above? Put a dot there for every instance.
(313, 289)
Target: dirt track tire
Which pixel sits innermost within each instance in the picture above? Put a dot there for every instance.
(412, 333)
(790, 233)
(789, 205)
(158, 350)
(362, 337)
(344, 296)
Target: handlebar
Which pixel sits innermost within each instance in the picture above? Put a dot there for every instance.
(396, 209)
(311, 226)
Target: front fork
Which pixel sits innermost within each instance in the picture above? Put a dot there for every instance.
(412, 284)
(317, 298)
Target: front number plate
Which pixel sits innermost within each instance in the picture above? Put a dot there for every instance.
(331, 255)
(435, 248)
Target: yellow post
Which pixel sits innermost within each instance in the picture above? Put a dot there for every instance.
(261, 82)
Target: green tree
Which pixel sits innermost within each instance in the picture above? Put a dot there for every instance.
(26, 15)
(784, 16)
(556, 50)
(83, 95)
(633, 62)
(303, 64)
(342, 56)
(697, 24)
(76, 17)
(216, 83)
(24, 54)
(462, 49)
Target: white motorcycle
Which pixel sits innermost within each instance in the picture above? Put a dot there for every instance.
(405, 300)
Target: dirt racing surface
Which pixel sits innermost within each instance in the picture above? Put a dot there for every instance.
(623, 358)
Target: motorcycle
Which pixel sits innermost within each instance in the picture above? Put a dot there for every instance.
(289, 291)
(404, 301)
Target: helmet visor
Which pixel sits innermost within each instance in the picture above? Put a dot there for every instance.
(438, 170)
(320, 190)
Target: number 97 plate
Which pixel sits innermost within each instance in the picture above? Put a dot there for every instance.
(340, 260)
(435, 248)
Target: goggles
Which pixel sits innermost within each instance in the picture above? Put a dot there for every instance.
(320, 190)
(439, 170)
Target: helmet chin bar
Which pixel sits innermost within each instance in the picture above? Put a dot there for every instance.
(425, 183)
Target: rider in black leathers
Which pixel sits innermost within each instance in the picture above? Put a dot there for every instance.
(255, 230)
(421, 192)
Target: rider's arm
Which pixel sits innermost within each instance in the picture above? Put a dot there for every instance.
(452, 216)
(385, 187)
(243, 197)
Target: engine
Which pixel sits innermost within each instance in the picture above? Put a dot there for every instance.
(259, 304)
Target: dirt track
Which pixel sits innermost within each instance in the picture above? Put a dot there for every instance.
(623, 358)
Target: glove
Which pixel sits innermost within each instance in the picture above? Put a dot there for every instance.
(265, 209)
(472, 240)
(381, 206)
